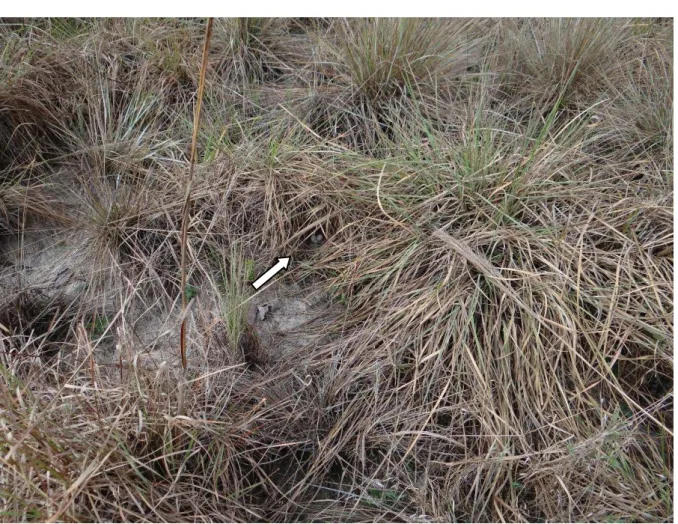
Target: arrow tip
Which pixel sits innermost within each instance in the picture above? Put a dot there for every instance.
(285, 261)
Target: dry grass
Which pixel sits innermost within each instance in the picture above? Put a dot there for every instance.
(497, 201)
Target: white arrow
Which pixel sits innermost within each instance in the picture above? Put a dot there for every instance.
(281, 264)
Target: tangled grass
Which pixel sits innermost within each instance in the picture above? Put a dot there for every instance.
(496, 197)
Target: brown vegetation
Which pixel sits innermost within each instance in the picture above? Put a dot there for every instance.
(495, 199)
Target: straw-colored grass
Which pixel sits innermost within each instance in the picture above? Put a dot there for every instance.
(497, 202)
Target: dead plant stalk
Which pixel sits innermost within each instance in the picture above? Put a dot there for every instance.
(187, 198)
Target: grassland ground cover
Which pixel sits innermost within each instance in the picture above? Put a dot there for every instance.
(477, 322)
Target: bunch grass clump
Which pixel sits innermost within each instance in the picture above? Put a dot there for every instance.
(387, 57)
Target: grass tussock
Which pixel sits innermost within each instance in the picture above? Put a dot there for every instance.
(495, 199)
